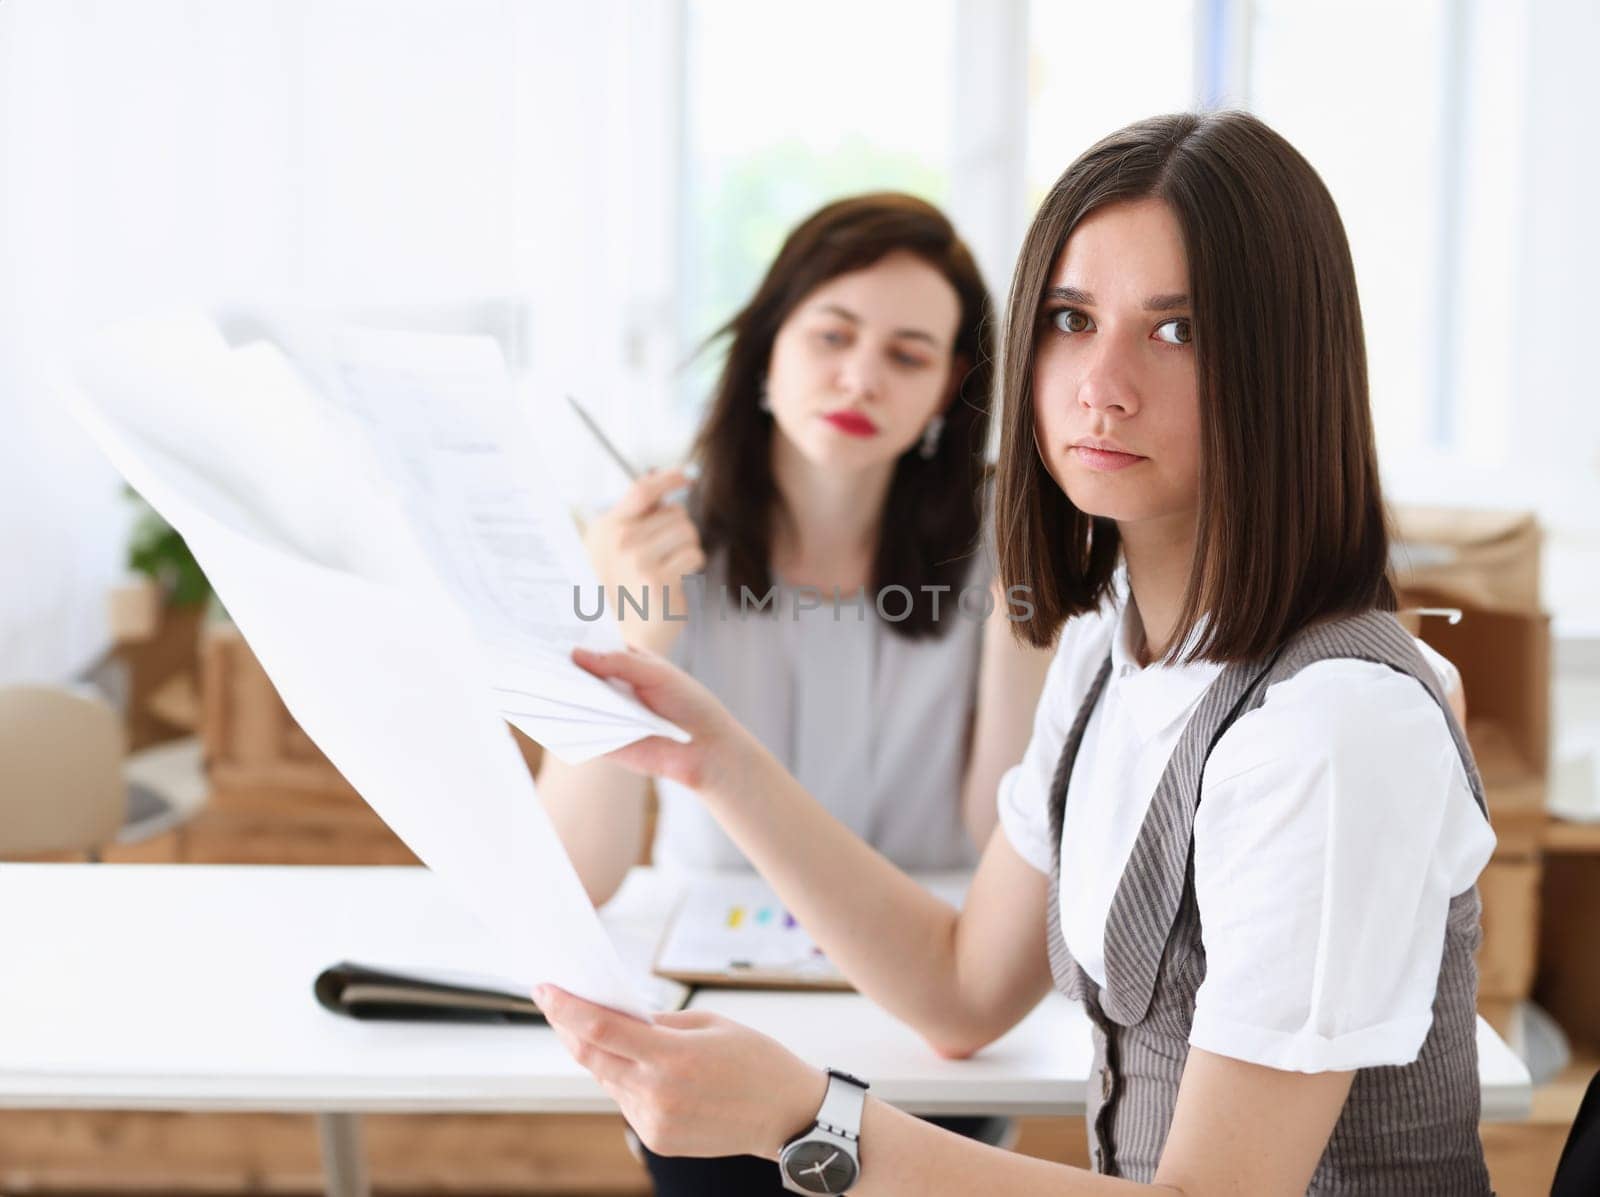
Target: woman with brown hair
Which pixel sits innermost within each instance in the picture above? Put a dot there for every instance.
(1247, 829)
(844, 612)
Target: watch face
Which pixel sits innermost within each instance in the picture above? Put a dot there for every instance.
(818, 1166)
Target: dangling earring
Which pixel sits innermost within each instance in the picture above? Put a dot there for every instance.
(764, 402)
(930, 438)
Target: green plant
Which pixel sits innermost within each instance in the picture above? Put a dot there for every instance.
(156, 550)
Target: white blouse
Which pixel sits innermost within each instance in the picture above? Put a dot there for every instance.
(1335, 825)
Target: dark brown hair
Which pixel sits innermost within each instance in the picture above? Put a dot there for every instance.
(1291, 524)
(932, 512)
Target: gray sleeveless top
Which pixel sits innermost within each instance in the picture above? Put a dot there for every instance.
(1408, 1130)
(875, 726)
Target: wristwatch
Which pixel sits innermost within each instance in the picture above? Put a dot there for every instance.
(826, 1157)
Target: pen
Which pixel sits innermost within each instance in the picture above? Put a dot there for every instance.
(605, 441)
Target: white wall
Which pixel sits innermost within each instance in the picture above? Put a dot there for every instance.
(475, 165)
(60, 538)
(1554, 399)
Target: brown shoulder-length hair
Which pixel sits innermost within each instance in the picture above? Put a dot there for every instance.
(1291, 516)
(932, 513)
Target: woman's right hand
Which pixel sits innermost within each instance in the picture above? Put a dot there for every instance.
(644, 546)
(721, 756)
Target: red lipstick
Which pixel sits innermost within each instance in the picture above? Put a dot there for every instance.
(851, 423)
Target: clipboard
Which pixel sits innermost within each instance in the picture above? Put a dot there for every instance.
(734, 933)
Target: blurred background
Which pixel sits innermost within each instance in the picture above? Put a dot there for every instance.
(598, 185)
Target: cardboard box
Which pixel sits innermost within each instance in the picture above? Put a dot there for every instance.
(162, 668)
(251, 741)
(1509, 954)
(133, 611)
(1568, 984)
(1486, 564)
(1504, 661)
(274, 797)
(1513, 786)
(1488, 560)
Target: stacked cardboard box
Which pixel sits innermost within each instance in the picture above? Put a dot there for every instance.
(1486, 564)
(156, 643)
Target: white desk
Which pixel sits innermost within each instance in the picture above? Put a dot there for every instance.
(188, 987)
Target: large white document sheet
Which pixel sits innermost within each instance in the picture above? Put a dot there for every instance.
(440, 414)
(387, 561)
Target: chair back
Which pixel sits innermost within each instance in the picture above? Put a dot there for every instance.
(61, 785)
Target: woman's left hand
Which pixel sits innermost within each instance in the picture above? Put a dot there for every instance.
(692, 1083)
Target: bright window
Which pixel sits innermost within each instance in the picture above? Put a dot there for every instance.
(1093, 68)
(787, 108)
(1357, 87)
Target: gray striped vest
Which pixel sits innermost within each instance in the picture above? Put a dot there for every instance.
(1408, 1129)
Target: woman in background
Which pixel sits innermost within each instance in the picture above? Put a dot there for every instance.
(842, 468)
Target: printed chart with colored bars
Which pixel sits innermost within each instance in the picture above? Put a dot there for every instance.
(734, 931)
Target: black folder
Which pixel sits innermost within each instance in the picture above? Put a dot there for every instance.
(362, 991)
(368, 992)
